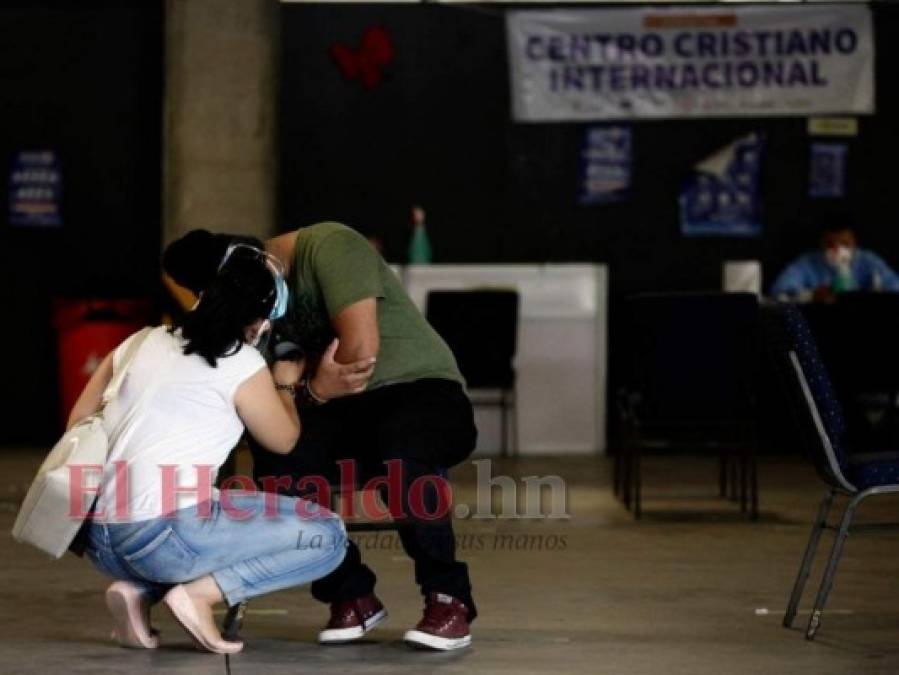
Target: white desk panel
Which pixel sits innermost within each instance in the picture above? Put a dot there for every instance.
(561, 361)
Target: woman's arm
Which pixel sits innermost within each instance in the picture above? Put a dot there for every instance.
(270, 414)
(89, 401)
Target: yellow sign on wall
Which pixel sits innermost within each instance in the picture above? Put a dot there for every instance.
(833, 126)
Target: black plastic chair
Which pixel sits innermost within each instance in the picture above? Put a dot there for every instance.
(691, 387)
(857, 337)
(481, 329)
(854, 475)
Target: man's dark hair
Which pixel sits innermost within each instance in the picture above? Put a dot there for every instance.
(236, 296)
(835, 220)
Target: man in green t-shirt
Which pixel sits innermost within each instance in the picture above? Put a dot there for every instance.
(411, 420)
(337, 278)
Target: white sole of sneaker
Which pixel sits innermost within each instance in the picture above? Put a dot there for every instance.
(336, 636)
(418, 639)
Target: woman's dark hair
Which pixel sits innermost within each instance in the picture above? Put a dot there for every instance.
(233, 297)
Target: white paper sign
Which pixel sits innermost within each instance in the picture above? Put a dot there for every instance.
(594, 64)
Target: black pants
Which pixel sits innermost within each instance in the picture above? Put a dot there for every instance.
(428, 426)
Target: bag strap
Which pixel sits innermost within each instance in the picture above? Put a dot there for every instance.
(112, 389)
(134, 344)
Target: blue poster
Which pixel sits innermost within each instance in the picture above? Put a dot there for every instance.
(605, 164)
(827, 170)
(35, 189)
(721, 196)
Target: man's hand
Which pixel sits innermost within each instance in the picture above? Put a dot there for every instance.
(334, 380)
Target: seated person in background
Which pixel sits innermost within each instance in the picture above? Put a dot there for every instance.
(837, 267)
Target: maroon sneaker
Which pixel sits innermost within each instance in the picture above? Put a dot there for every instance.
(444, 625)
(352, 619)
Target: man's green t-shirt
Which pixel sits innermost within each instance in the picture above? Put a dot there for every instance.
(334, 267)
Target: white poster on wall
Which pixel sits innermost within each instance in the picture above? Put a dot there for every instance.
(595, 64)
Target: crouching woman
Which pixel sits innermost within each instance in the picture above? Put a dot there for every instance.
(159, 527)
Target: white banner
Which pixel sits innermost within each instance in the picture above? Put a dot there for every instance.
(596, 64)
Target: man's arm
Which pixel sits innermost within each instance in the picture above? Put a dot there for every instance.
(356, 327)
(348, 271)
(347, 370)
(792, 281)
(889, 280)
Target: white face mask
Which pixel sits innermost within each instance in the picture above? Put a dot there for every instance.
(839, 256)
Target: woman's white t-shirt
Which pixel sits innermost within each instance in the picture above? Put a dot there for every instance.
(173, 410)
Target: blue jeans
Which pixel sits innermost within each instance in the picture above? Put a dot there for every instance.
(249, 552)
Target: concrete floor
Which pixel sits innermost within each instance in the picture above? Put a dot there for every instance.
(692, 589)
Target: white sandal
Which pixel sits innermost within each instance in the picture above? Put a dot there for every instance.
(182, 608)
(129, 608)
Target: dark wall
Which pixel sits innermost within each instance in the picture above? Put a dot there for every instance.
(438, 132)
(84, 79)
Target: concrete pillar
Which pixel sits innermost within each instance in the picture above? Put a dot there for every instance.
(220, 154)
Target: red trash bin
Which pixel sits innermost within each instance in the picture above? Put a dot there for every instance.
(88, 329)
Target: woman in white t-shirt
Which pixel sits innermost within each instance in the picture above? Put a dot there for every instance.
(159, 526)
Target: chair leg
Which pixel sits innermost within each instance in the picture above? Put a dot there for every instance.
(616, 472)
(722, 474)
(827, 582)
(638, 483)
(504, 426)
(734, 478)
(513, 420)
(627, 472)
(753, 487)
(807, 559)
(744, 476)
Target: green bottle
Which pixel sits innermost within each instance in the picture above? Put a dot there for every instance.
(842, 280)
(419, 245)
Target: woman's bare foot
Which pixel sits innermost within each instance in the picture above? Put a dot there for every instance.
(191, 604)
(130, 608)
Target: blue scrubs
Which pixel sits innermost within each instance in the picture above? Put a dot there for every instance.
(811, 271)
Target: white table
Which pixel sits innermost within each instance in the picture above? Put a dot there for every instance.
(561, 361)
